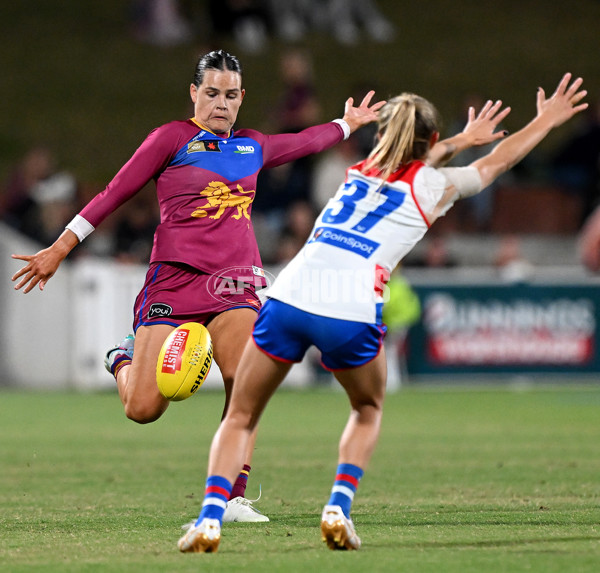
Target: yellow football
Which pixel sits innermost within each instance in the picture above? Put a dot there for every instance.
(184, 361)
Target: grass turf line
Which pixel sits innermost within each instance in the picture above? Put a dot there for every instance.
(461, 481)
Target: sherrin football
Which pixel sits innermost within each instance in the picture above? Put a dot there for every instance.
(184, 361)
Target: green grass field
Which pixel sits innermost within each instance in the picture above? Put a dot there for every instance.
(462, 481)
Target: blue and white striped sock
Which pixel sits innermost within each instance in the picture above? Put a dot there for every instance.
(346, 482)
(216, 494)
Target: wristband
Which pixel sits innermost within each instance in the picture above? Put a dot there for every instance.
(81, 227)
(344, 125)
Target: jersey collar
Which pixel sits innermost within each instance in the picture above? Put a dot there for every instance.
(212, 132)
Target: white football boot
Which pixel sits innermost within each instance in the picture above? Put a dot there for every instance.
(240, 509)
(202, 538)
(337, 530)
(125, 347)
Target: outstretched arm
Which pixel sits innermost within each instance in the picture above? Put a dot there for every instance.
(551, 113)
(285, 147)
(42, 266)
(480, 130)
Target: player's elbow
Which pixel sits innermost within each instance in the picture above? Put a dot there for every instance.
(490, 171)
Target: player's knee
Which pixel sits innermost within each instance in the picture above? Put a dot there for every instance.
(228, 382)
(368, 406)
(241, 419)
(143, 413)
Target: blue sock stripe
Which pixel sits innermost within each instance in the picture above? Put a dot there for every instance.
(219, 482)
(217, 492)
(342, 492)
(351, 470)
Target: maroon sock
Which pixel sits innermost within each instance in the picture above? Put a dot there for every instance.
(239, 487)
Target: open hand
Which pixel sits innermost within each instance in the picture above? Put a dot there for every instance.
(564, 102)
(39, 268)
(481, 127)
(356, 117)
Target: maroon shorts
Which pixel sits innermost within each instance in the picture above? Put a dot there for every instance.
(175, 293)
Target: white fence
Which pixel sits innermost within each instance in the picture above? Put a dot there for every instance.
(55, 339)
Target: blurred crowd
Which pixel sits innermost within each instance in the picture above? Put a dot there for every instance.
(40, 196)
(252, 23)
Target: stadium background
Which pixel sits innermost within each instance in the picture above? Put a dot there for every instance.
(76, 79)
(73, 75)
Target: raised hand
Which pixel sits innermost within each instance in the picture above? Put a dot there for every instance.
(564, 102)
(481, 128)
(356, 117)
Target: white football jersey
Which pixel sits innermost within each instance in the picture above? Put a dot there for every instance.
(358, 239)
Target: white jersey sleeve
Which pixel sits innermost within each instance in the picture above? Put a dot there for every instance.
(438, 189)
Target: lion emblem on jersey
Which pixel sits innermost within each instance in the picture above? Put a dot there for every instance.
(219, 196)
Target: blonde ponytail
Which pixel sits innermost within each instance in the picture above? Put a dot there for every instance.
(405, 126)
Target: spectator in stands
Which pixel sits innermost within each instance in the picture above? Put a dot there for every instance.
(17, 205)
(476, 211)
(299, 220)
(344, 19)
(509, 260)
(402, 309)
(436, 254)
(589, 242)
(347, 17)
(134, 232)
(160, 22)
(297, 108)
(330, 169)
(55, 199)
(248, 21)
(38, 200)
(577, 162)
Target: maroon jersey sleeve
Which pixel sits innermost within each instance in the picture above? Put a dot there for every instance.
(284, 147)
(147, 162)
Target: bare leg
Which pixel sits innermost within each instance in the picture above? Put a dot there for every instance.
(136, 383)
(365, 387)
(254, 386)
(230, 332)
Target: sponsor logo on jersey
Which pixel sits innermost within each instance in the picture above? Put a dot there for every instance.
(203, 145)
(159, 309)
(244, 149)
(343, 240)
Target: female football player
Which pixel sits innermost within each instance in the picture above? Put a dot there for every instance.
(330, 295)
(205, 263)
